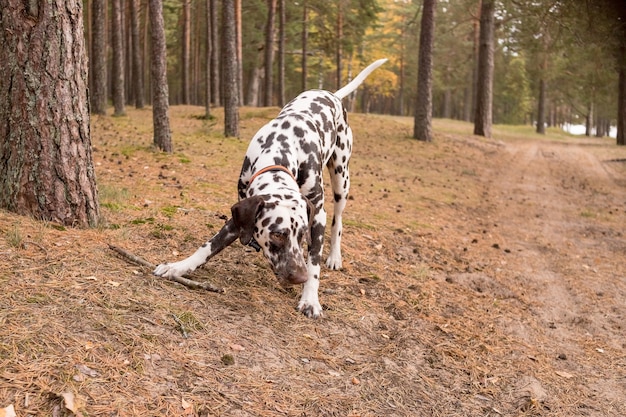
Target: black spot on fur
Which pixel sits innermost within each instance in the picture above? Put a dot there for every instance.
(298, 131)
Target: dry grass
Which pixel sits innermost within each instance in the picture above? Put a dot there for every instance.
(425, 318)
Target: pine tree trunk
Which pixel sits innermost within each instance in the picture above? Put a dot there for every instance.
(229, 72)
(422, 128)
(137, 64)
(269, 52)
(281, 52)
(484, 88)
(215, 53)
(46, 168)
(239, 35)
(99, 58)
(208, 45)
(118, 59)
(541, 108)
(160, 93)
(339, 52)
(186, 51)
(621, 97)
(305, 40)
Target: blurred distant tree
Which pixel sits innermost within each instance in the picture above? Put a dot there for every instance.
(281, 52)
(484, 96)
(269, 52)
(422, 127)
(118, 58)
(186, 51)
(98, 75)
(229, 69)
(160, 92)
(137, 66)
(215, 54)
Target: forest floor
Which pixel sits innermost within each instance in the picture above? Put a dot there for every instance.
(482, 277)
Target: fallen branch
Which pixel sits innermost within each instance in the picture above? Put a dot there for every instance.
(181, 280)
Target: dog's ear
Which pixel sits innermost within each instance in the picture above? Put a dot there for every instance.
(244, 216)
(311, 212)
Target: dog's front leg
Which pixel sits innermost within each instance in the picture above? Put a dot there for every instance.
(227, 235)
(309, 303)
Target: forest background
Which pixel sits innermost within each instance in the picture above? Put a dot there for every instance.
(562, 55)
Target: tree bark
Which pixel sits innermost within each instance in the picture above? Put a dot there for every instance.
(541, 108)
(215, 53)
(117, 46)
(46, 167)
(269, 52)
(186, 51)
(484, 88)
(281, 52)
(305, 40)
(339, 52)
(422, 127)
(160, 92)
(229, 73)
(208, 43)
(239, 35)
(137, 64)
(621, 103)
(99, 57)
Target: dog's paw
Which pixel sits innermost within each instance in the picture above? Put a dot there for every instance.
(171, 270)
(334, 262)
(311, 310)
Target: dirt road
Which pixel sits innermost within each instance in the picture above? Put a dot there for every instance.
(560, 212)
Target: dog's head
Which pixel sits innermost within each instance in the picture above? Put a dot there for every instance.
(280, 226)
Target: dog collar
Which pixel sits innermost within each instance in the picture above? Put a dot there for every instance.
(271, 168)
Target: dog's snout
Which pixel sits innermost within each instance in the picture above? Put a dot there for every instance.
(299, 277)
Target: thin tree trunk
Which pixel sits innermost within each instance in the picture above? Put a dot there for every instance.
(137, 64)
(339, 44)
(269, 52)
(215, 53)
(98, 58)
(229, 73)
(208, 43)
(239, 49)
(589, 119)
(281, 53)
(118, 59)
(541, 108)
(46, 167)
(621, 97)
(484, 88)
(422, 128)
(160, 93)
(305, 41)
(186, 51)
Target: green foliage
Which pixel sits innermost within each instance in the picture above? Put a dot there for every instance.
(513, 102)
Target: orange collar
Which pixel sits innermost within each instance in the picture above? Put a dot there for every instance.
(271, 168)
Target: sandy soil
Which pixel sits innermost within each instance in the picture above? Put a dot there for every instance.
(481, 277)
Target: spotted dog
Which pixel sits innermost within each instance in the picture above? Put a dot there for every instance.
(281, 195)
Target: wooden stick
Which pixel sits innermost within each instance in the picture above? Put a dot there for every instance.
(181, 280)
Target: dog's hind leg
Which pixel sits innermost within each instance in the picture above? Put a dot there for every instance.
(340, 181)
(227, 235)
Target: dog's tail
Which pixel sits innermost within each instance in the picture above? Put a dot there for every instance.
(358, 80)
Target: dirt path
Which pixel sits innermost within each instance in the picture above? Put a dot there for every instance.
(560, 212)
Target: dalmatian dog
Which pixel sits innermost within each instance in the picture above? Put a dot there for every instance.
(281, 195)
